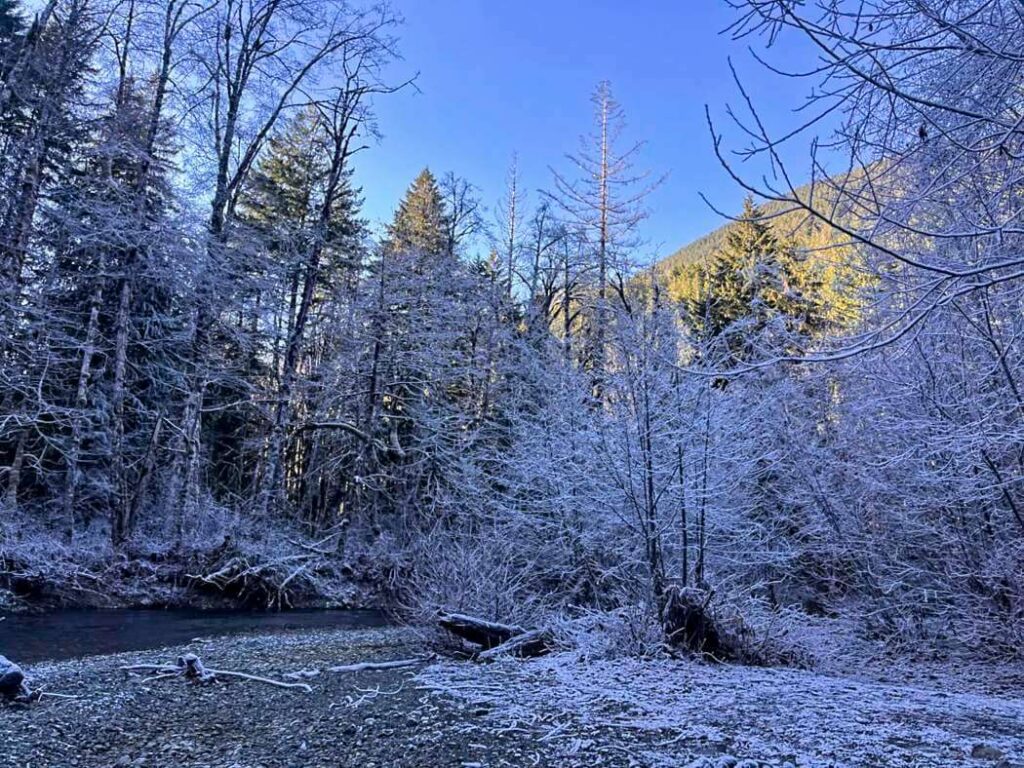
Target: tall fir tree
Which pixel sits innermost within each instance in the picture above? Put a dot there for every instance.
(301, 202)
(104, 288)
(755, 279)
(421, 221)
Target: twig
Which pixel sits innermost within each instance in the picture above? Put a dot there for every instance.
(306, 674)
(151, 668)
(57, 695)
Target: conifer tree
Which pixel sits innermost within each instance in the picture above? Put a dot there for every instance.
(280, 194)
(12, 29)
(421, 221)
(117, 185)
(752, 281)
(604, 201)
(301, 200)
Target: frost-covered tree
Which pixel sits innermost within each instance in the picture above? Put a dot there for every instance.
(603, 198)
(754, 282)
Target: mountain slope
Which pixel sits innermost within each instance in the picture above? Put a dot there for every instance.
(823, 249)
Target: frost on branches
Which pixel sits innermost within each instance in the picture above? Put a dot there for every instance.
(213, 378)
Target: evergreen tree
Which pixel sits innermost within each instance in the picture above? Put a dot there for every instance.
(421, 221)
(103, 287)
(280, 194)
(12, 30)
(754, 280)
(302, 273)
(286, 192)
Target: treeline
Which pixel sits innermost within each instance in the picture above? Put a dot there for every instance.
(212, 374)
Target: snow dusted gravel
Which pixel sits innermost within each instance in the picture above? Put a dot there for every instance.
(557, 711)
(369, 719)
(677, 713)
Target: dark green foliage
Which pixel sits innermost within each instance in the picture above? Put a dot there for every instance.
(752, 282)
(284, 198)
(420, 223)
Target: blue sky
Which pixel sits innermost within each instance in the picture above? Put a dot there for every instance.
(497, 76)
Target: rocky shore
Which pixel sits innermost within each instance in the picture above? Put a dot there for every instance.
(368, 718)
(562, 710)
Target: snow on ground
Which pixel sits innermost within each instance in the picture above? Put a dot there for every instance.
(673, 713)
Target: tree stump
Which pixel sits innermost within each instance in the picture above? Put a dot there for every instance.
(689, 625)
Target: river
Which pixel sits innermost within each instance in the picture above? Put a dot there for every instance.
(71, 634)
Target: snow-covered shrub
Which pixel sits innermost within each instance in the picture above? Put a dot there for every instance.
(632, 631)
(480, 575)
(38, 561)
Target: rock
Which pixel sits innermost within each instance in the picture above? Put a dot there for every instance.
(12, 679)
(986, 752)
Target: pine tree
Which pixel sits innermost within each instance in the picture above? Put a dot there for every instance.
(421, 221)
(753, 280)
(285, 195)
(301, 200)
(280, 193)
(604, 200)
(116, 184)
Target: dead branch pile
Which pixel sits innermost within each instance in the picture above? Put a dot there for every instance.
(274, 575)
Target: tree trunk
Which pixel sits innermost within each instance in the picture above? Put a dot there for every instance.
(73, 472)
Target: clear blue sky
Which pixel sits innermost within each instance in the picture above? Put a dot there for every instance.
(498, 76)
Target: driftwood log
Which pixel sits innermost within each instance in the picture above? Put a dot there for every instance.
(497, 639)
(535, 642)
(190, 667)
(364, 666)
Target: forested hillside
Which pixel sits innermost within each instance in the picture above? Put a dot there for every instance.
(799, 434)
(820, 252)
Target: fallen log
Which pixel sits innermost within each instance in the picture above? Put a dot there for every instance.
(489, 634)
(536, 642)
(497, 639)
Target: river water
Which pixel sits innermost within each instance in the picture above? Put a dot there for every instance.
(70, 634)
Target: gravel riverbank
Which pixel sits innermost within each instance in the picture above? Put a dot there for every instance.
(370, 718)
(559, 711)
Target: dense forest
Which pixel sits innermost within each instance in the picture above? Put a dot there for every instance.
(215, 378)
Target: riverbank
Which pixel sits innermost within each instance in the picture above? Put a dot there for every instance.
(234, 574)
(560, 711)
(370, 718)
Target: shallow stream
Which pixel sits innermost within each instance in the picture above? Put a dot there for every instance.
(71, 634)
